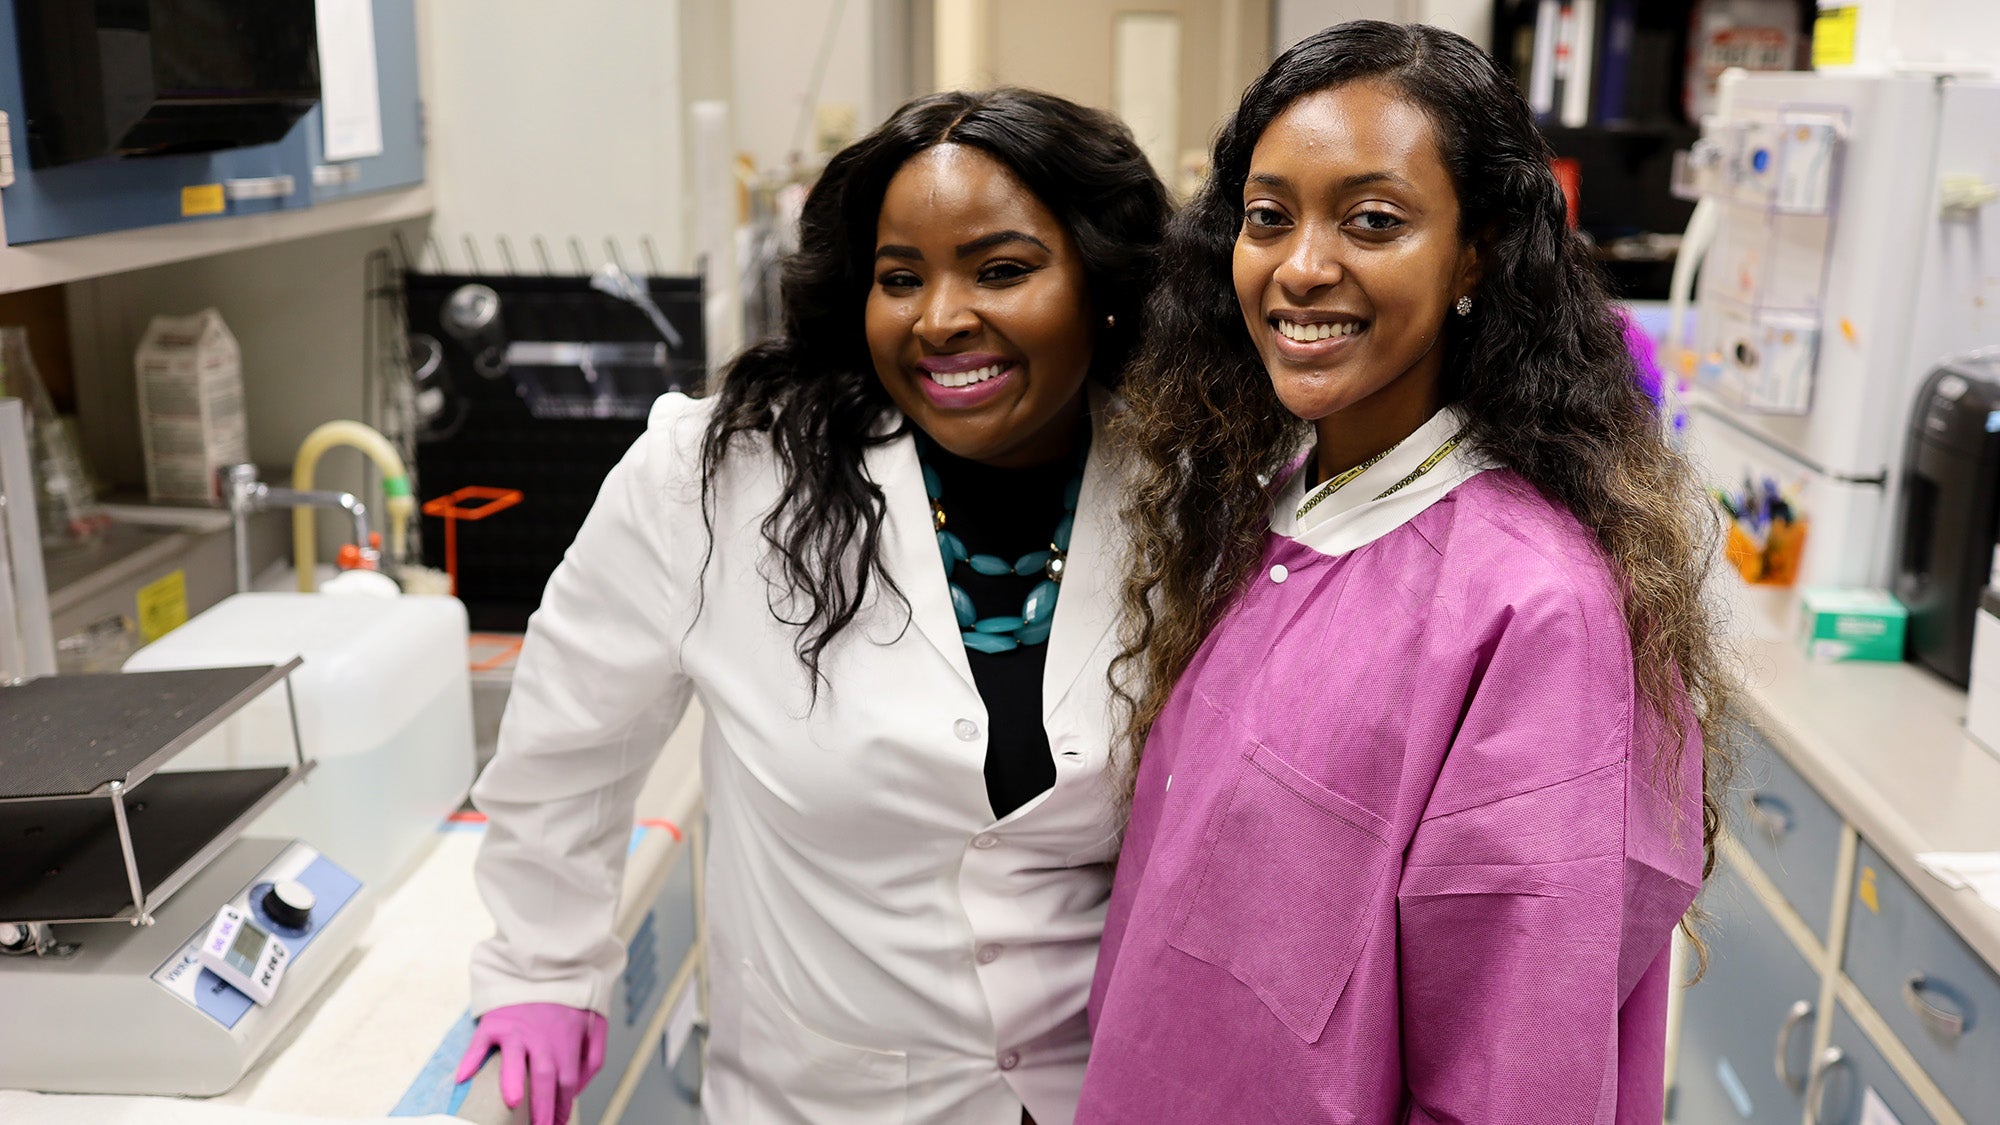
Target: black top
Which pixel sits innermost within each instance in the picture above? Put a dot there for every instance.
(66, 736)
(1009, 513)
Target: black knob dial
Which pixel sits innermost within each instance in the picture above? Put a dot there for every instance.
(289, 904)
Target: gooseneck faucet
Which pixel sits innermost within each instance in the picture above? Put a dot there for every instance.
(246, 494)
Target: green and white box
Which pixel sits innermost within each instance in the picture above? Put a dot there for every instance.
(1844, 624)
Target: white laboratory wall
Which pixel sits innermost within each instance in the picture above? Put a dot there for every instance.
(557, 121)
(1146, 83)
(1293, 20)
(780, 46)
(1069, 47)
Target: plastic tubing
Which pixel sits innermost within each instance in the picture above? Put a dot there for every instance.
(398, 502)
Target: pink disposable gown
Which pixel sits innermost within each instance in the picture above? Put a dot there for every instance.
(1399, 851)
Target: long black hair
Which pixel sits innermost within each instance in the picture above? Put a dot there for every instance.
(813, 392)
(1540, 369)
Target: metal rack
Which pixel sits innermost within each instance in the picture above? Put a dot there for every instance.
(92, 831)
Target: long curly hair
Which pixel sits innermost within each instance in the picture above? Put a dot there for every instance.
(813, 393)
(1540, 368)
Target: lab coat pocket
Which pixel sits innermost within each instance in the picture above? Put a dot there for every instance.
(1284, 895)
(799, 1075)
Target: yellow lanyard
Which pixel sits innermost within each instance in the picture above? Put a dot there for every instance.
(1347, 478)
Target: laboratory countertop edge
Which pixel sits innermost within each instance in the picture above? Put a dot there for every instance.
(1886, 746)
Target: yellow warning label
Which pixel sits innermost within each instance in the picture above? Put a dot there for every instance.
(201, 199)
(1866, 891)
(1833, 36)
(163, 606)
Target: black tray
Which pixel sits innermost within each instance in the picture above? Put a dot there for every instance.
(70, 736)
(61, 861)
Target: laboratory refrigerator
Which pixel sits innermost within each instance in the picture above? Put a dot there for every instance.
(1856, 245)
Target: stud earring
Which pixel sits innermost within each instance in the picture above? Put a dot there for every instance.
(1464, 306)
(1110, 322)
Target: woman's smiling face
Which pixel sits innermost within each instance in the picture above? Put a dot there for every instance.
(1349, 258)
(979, 318)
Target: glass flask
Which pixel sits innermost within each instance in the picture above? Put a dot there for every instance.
(68, 513)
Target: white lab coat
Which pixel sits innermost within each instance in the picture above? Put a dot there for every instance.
(880, 949)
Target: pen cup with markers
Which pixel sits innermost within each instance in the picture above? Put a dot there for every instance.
(1765, 533)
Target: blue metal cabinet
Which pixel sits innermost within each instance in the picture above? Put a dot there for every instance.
(652, 960)
(668, 1094)
(97, 196)
(401, 163)
(1936, 994)
(1751, 1013)
(1792, 833)
(1849, 1073)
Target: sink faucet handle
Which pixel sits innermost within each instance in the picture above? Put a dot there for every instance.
(236, 481)
(239, 486)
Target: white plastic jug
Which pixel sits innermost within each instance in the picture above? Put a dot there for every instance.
(384, 706)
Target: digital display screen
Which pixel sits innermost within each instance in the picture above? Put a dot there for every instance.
(247, 948)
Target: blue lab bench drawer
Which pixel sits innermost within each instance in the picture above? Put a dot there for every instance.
(1941, 1000)
(1841, 1095)
(1746, 1026)
(652, 960)
(1789, 830)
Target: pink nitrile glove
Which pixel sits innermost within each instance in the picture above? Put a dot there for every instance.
(547, 1051)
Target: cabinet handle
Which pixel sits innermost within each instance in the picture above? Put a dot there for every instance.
(1781, 1052)
(1945, 1023)
(1828, 1059)
(1771, 814)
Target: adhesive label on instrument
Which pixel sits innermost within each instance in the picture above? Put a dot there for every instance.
(202, 199)
(1866, 891)
(1875, 1111)
(680, 1025)
(1733, 1086)
(163, 606)
(1833, 36)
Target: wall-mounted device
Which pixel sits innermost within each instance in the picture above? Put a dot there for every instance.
(152, 77)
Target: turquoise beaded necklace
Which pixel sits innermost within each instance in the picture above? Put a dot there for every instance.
(1038, 610)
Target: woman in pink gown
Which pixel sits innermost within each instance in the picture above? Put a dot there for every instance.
(1427, 685)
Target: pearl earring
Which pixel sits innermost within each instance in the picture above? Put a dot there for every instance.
(1110, 322)
(1464, 306)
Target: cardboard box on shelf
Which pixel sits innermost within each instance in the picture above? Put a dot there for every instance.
(190, 406)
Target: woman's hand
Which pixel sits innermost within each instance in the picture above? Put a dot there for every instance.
(552, 1050)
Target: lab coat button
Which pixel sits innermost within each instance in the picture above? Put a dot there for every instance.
(989, 954)
(1279, 573)
(1010, 1060)
(965, 729)
(985, 840)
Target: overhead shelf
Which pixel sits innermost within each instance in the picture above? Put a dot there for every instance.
(61, 261)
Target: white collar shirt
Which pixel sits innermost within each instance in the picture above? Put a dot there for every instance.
(1414, 474)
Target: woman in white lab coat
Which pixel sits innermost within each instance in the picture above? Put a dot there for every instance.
(852, 554)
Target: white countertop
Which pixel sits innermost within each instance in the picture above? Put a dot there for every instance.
(1885, 744)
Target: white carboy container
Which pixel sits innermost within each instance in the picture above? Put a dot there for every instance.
(384, 706)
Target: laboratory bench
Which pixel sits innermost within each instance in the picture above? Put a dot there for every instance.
(382, 1040)
(1846, 984)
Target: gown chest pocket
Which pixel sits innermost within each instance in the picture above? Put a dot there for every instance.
(1284, 895)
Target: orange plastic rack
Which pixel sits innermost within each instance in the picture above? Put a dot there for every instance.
(454, 507)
